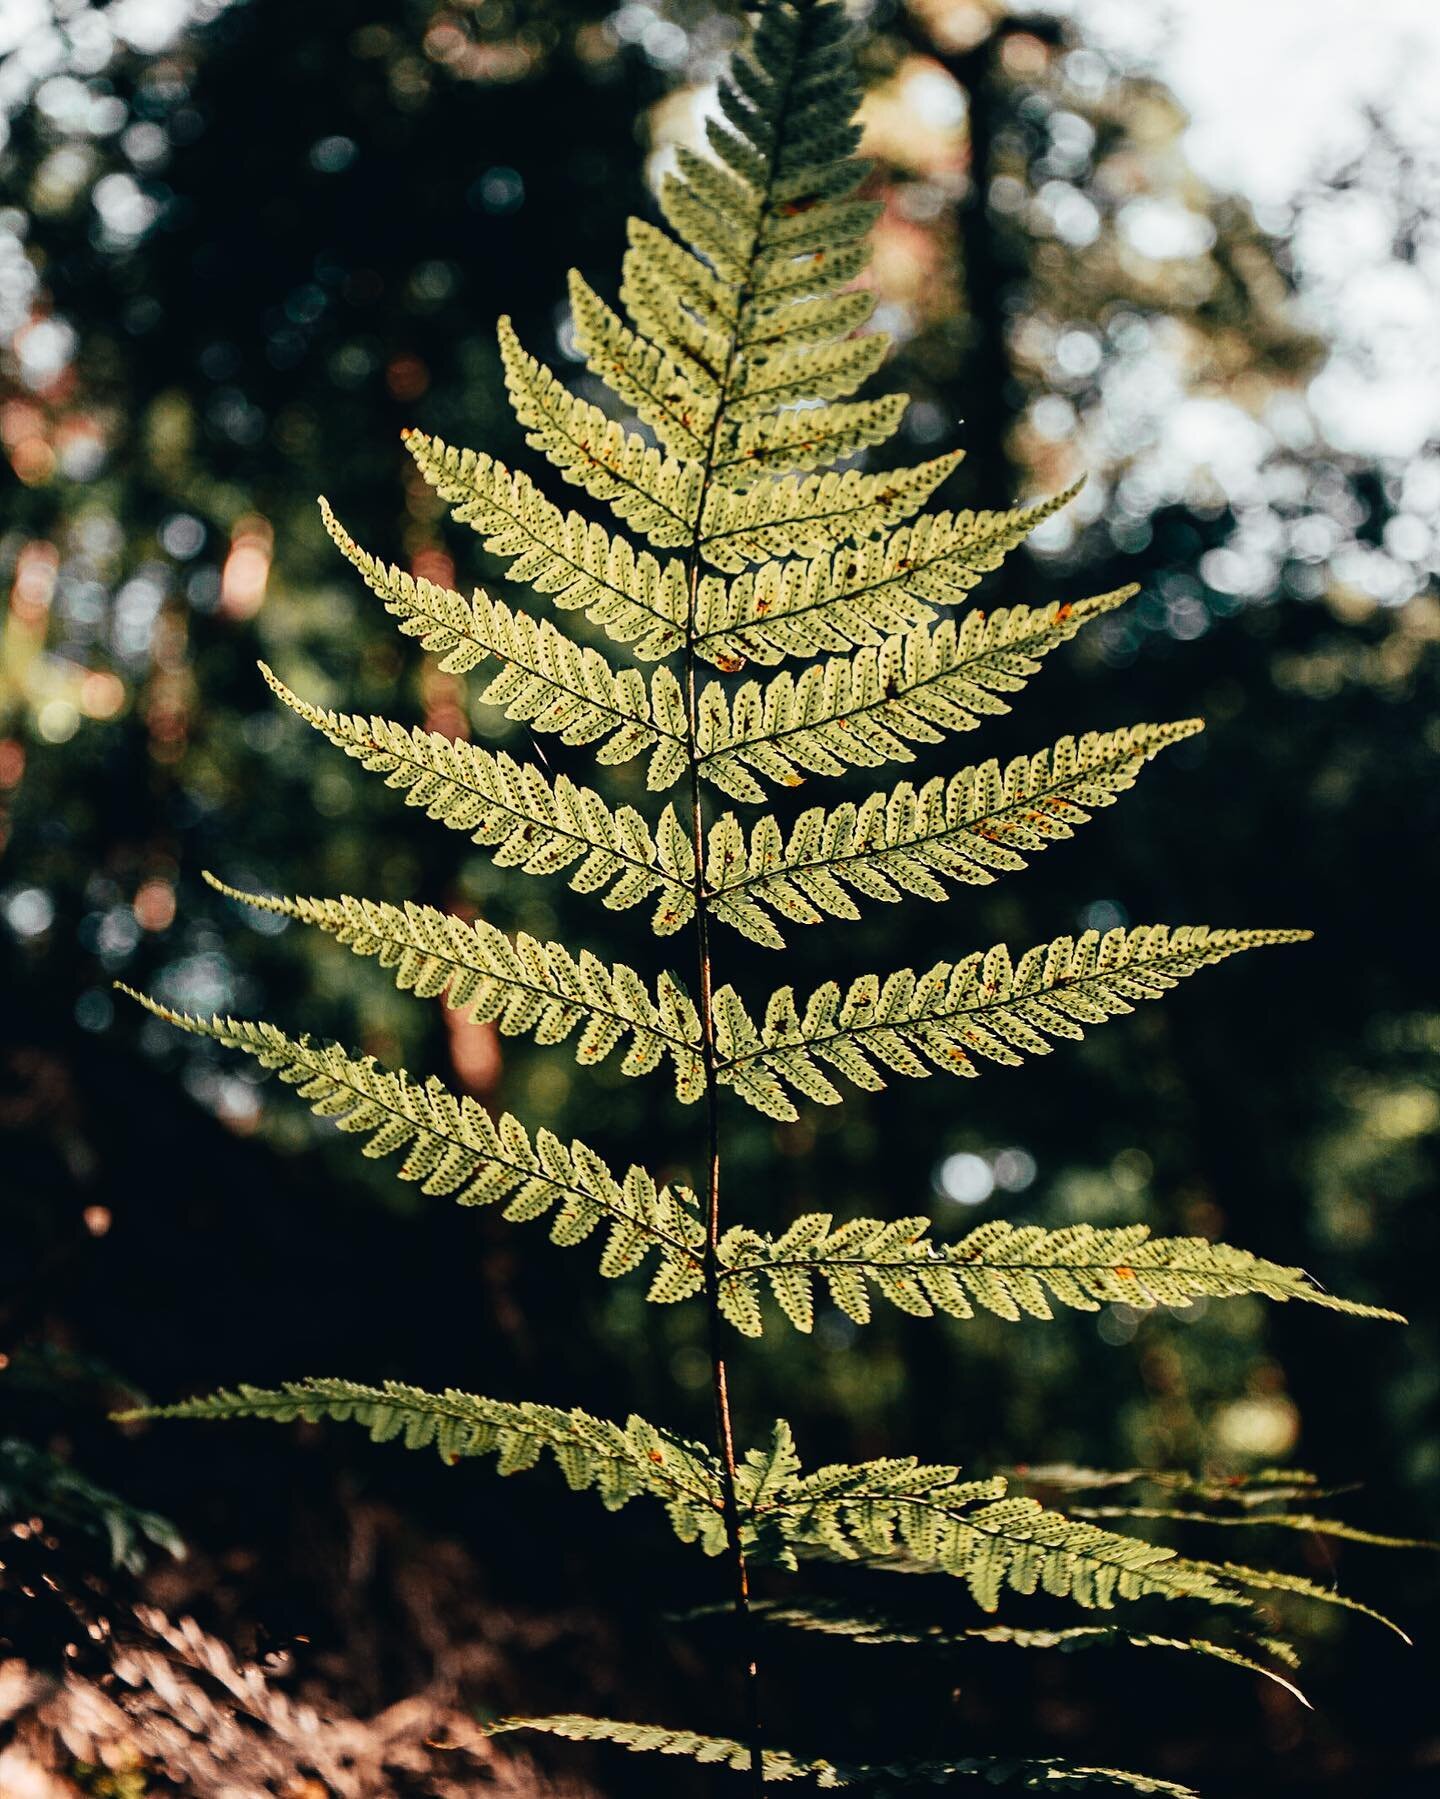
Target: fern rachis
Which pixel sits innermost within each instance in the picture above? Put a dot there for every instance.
(736, 546)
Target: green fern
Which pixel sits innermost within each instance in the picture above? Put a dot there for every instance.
(837, 1620)
(618, 1461)
(524, 986)
(455, 1149)
(969, 829)
(1011, 1273)
(728, 542)
(985, 1007)
(1044, 1772)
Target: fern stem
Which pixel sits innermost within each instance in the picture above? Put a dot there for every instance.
(720, 1386)
(724, 1427)
(745, 1630)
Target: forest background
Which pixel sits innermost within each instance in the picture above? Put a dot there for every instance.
(242, 245)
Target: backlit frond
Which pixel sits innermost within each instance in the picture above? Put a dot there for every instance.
(857, 595)
(973, 1531)
(1307, 1523)
(839, 1621)
(677, 300)
(526, 987)
(679, 404)
(864, 710)
(545, 680)
(618, 1461)
(807, 437)
(808, 517)
(973, 828)
(733, 372)
(1299, 1586)
(635, 598)
(659, 496)
(1009, 1272)
(455, 1149)
(1029, 1773)
(982, 1008)
(530, 821)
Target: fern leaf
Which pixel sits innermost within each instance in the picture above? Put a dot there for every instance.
(678, 301)
(971, 829)
(1305, 1522)
(808, 437)
(807, 316)
(546, 681)
(779, 1765)
(977, 1533)
(657, 1739)
(526, 987)
(529, 821)
(855, 596)
(1259, 1486)
(834, 1620)
(618, 1461)
(679, 405)
(455, 1149)
(785, 375)
(637, 600)
(738, 353)
(1008, 1271)
(809, 517)
(956, 1014)
(864, 710)
(1273, 1580)
(659, 496)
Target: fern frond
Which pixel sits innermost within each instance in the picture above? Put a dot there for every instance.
(618, 1461)
(656, 494)
(678, 404)
(785, 376)
(808, 437)
(455, 1149)
(524, 986)
(971, 829)
(737, 353)
(1305, 1522)
(983, 1007)
(1008, 1271)
(809, 517)
(528, 820)
(806, 316)
(678, 301)
(636, 599)
(1258, 1486)
(864, 710)
(779, 1765)
(657, 1739)
(835, 1620)
(873, 1510)
(546, 681)
(856, 596)
(1273, 1580)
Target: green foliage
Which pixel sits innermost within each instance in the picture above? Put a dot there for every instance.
(969, 829)
(985, 1006)
(1047, 1772)
(524, 986)
(836, 1620)
(617, 1461)
(35, 1483)
(1011, 1273)
(456, 1149)
(733, 359)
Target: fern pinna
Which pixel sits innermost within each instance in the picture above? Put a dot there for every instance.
(776, 619)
